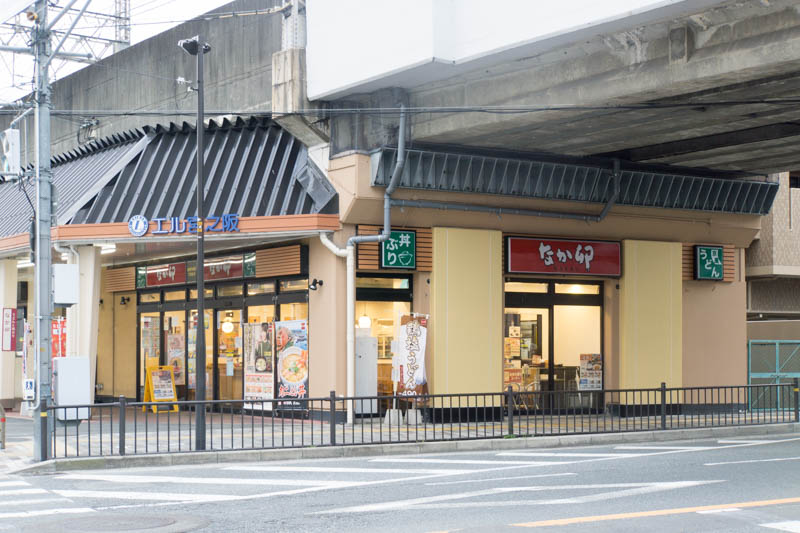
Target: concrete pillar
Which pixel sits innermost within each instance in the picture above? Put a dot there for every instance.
(8, 298)
(82, 319)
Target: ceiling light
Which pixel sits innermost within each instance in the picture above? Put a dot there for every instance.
(364, 321)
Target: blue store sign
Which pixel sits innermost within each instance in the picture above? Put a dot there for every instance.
(227, 223)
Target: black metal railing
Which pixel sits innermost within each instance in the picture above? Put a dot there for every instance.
(137, 428)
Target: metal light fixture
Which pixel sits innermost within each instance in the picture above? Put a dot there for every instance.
(124, 300)
(314, 284)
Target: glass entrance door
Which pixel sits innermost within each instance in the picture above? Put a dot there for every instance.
(149, 345)
(229, 354)
(192, 351)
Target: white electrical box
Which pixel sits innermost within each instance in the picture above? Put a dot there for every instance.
(71, 381)
(66, 285)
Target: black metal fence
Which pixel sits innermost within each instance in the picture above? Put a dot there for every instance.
(136, 428)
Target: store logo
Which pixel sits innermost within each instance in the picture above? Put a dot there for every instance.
(138, 225)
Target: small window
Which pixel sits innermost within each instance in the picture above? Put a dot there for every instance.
(289, 285)
(794, 182)
(521, 286)
(261, 287)
(229, 290)
(382, 283)
(149, 297)
(173, 296)
(208, 292)
(576, 288)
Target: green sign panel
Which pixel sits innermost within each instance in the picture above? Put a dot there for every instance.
(399, 250)
(708, 263)
(141, 277)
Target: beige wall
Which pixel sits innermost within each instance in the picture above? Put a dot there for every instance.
(105, 343)
(466, 311)
(124, 345)
(8, 298)
(611, 334)
(650, 315)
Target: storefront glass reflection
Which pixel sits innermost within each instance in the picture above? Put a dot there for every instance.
(229, 354)
(191, 360)
(149, 343)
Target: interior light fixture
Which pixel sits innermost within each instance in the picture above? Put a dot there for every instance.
(364, 321)
(227, 326)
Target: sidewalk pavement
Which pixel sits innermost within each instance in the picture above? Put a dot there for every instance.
(19, 443)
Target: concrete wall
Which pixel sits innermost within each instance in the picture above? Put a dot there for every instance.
(650, 315)
(466, 311)
(776, 252)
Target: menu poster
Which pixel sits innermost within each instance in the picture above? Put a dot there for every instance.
(411, 339)
(175, 357)
(291, 347)
(591, 371)
(160, 387)
(258, 363)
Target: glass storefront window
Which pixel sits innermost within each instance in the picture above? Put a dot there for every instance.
(173, 296)
(262, 287)
(382, 283)
(259, 314)
(229, 354)
(192, 351)
(229, 290)
(576, 288)
(149, 297)
(526, 347)
(175, 342)
(295, 311)
(380, 320)
(149, 344)
(209, 293)
(523, 286)
(288, 285)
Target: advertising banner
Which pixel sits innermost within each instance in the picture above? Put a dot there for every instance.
(546, 256)
(291, 347)
(175, 349)
(591, 372)
(171, 274)
(58, 337)
(9, 329)
(411, 340)
(258, 363)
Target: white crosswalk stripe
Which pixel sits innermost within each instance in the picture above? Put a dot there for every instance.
(792, 526)
(15, 495)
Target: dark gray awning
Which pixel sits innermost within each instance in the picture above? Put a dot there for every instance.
(253, 168)
(434, 170)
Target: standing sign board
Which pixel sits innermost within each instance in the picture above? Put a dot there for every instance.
(591, 372)
(160, 387)
(399, 250)
(412, 339)
(546, 256)
(259, 363)
(291, 347)
(708, 263)
(9, 329)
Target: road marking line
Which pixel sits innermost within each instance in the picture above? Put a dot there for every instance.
(45, 512)
(14, 484)
(17, 492)
(556, 454)
(130, 495)
(741, 441)
(793, 526)
(647, 514)
(342, 470)
(499, 479)
(754, 461)
(34, 500)
(715, 511)
(122, 479)
(464, 461)
(676, 448)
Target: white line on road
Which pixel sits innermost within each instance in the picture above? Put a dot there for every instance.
(18, 492)
(754, 461)
(45, 512)
(122, 479)
(343, 470)
(14, 484)
(676, 448)
(464, 461)
(34, 500)
(715, 511)
(557, 454)
(793, 526)
(130, 495)
(500, 479)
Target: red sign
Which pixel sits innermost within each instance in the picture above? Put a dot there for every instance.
(171, 274)
(10, 329)
(58, 337)
(224, 268)
(544, 256)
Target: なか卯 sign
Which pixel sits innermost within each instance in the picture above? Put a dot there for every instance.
(526, 255)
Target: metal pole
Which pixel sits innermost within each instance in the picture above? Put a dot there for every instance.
(200, 412)
(663, 405)
(44, 302)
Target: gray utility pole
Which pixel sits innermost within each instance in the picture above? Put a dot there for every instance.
(43, 425)
(196, 47)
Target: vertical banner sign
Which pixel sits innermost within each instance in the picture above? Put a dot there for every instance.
(291, 346)
(258, 364)
(412, 337)
(59, 337)
(9, 329)
(399, 250)
(591, 372)
(175, 350)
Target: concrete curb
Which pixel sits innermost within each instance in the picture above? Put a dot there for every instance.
(365, 450)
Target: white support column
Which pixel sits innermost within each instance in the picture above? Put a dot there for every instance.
(82, 319)
(8, 298)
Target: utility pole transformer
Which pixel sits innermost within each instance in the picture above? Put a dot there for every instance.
(43, 429)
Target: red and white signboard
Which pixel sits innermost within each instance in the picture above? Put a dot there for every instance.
(171, 274)
(9, 329)
(546, 256)
(58, 332)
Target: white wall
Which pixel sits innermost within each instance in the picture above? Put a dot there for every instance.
(362, 45)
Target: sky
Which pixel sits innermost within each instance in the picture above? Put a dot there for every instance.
(148, 18)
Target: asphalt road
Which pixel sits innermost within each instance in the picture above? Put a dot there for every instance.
(741, 484)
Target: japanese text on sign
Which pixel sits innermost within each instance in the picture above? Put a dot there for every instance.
(227, 223)
(546, 256)
(399, 250)
(708, 263)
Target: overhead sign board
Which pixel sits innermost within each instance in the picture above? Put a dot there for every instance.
(527, 255)
(708, 263)
(400, 250)
(139, 226)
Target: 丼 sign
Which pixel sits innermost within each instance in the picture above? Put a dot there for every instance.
(708, 263)
(399, 250)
